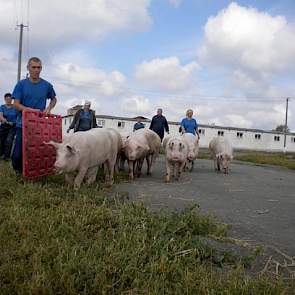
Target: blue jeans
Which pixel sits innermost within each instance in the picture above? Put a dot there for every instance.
(17, 154)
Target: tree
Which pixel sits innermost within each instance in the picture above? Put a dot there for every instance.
(281, 128)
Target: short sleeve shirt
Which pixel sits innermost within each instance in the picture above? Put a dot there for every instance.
(32, 95)
(190, 126)
(138, 125)
(9, 113)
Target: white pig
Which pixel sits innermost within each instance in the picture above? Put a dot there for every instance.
(123, 158)
(176, 155)
(80, 154)
(117, 141)
(221, 152)
(193, 149)
(141, 144)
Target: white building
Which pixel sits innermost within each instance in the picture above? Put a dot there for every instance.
(241, 138)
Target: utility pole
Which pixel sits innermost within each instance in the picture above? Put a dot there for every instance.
(286, 122)
(19, 68)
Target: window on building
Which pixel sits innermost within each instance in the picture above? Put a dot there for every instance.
(239, 134)
(100, 122)
(293, 139)
(202, 131)
(276, 138)
(65, 121)
(121, 124)
(220, 133)
(257, 136)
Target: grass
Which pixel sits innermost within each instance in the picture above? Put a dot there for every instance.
(278, 159)
(56, 241)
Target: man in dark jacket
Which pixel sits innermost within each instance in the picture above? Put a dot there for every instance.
(84, 119)
(159, 124)
(8, 116)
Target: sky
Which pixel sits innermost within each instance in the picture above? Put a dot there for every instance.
(233, 63)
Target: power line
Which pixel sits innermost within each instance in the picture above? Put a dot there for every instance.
(28, 30)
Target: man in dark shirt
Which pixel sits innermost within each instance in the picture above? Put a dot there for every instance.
(84, 119)
(8, 115)
(159, 124)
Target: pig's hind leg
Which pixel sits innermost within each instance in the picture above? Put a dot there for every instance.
(109, 173)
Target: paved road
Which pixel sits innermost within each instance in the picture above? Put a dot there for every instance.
(257, 201)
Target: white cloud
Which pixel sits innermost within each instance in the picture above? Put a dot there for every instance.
(175, 3)
(74, 77)
(165, 74)
(136, 105)
(60, 22)
(248, 39)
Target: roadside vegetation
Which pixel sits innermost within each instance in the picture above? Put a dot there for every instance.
(57, 241)
(278, 159)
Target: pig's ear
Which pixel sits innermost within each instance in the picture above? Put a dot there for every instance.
(165, 140)
(71, 149)
(55, 144)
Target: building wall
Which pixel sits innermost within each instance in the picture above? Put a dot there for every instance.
(240, 138)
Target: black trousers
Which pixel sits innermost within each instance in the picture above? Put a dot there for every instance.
(7, 134)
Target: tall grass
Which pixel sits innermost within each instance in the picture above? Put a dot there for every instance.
(278, 159)
(56, 241)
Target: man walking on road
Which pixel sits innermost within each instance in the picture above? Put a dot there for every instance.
(30, 94)
(159, 124)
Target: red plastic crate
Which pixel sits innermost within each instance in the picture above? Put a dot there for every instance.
(38, 157)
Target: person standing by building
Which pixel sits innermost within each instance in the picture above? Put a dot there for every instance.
(84, 119)
(138, 124)
(189, 124)
(30, 94)
(159, 124)
(8, 115)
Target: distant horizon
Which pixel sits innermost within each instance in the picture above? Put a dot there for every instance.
(178, 123)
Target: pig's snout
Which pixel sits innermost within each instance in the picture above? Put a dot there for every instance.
(58, 167)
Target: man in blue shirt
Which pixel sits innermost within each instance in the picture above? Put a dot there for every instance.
(8, 116)
(189, 124)
(138, 124)
(30, 94)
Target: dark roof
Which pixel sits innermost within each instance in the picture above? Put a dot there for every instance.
(76, 106)
(140, 117)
